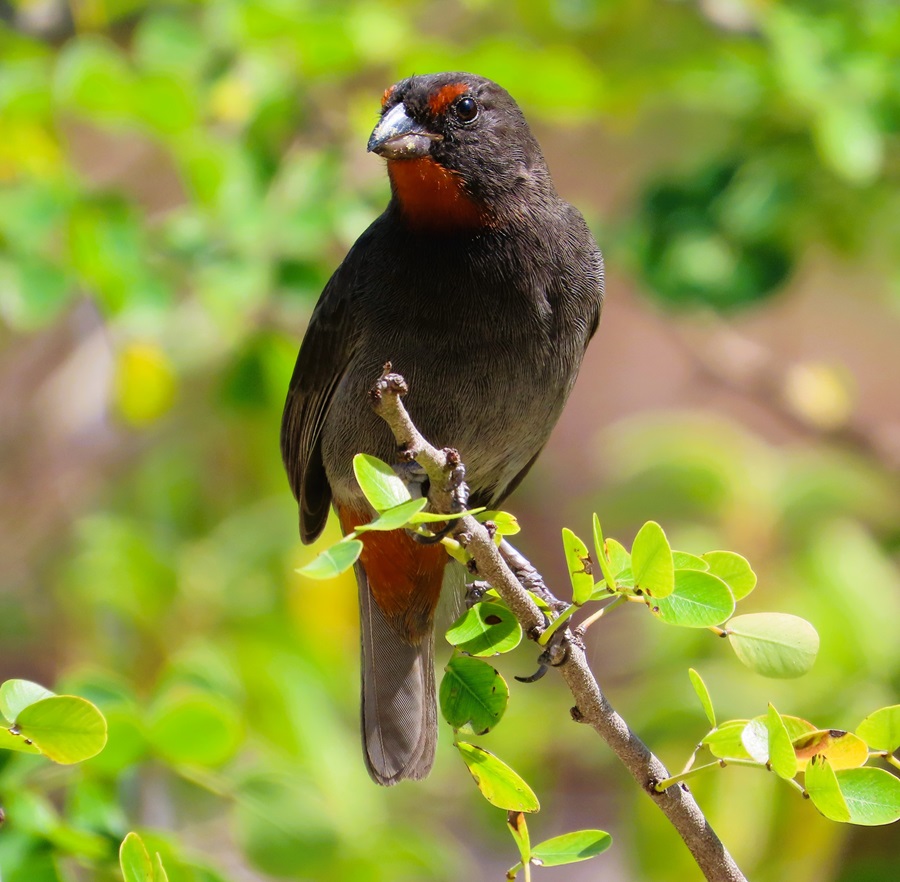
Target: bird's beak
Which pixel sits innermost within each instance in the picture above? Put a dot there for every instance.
(397, 136)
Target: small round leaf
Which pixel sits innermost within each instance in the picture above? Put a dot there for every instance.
(822, 786)
(379, 482)
(333, 561)
(725, 742)
(498, 783)
(571, 847)
(703, 695)
(782, 758)
(65, 728)
(774, 644)
(18, 694)
(135, 860)
(578, 561)
(881, 729)
(486, 629)
(394, 518)
(651, 561)
(872, 795)
(842, 749)
(700, 600)
(472, 694)
(733, 570)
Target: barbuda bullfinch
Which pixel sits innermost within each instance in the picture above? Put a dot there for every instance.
(482, 287)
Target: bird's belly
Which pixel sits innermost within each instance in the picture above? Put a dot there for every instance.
(496, 405)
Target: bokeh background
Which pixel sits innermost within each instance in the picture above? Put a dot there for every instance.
(177, 182)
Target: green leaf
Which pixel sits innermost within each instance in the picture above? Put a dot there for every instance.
(195, 728)
(881, 729)
(65, 728)
(725, 742)
(600, 547)
(684, 561)
(485, 629)
(578, 560)
(379, 482)
(498, 783)
(651, 561)
(396, 517)
(774, 644)
(703, 695)
(733, 570)
(472, 694)
(134, 860)
(505, 523)
(18, 694)
(755, 736)
(571, 847)
(782, 759)
(618, 556)
(700, 600)
(872, 796)
(333, 561)
(8, 741)
(842, 749)
(820, 782)
(159, 871)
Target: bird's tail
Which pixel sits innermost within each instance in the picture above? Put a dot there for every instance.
(399, 716)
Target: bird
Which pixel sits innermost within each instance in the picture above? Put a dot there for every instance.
(482, 287)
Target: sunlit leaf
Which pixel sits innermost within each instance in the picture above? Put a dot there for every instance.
(842, 749)
(684, 561)
(579, 565)
(872, 795)
(505, 524)
(135, 860)
(733, 570)
(700, 600)
(703, 695)
(18, 694)
(396, 517)
(755, 736)
(498, 783)
(774, 644)
(8, 741)
(472, 694)
(782, 759)
(518, 827)
(379, 482)
(485, 629)
(651, 561)
(600, 548)
(618, 556)
(881, 729)
(571, 847)
(820, 782)
(333, 561)
(65, 728)
(726, 742)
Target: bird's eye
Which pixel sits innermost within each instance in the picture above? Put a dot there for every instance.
(466, 109)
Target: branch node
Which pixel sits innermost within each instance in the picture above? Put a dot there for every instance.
(576, 714)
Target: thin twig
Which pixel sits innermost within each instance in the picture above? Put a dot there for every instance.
(565, 653)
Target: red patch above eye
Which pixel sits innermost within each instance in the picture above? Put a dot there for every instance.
(387, 95)
(445, 96)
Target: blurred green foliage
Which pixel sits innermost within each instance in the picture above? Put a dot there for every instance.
(194, 171)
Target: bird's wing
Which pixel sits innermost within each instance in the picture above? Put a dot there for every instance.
(321, 364)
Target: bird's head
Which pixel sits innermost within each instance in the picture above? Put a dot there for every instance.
(459, 151)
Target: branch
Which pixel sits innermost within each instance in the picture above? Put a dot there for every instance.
(445, 472)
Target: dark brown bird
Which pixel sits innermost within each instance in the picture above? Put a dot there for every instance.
(482, 287)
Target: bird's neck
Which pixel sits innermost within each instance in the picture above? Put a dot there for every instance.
(433, 198)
